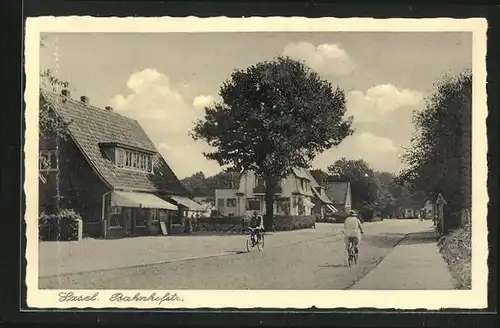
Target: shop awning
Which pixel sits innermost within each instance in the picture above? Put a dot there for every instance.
(139, 199)
(189, 203)
(332, 208)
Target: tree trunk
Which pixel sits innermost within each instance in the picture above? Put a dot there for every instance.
(269, 198)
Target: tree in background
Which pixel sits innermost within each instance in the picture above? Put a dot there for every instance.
(439, 160)
(196, 185)
(319, 175)
(201, 186)
(274, 116)
(385, 199)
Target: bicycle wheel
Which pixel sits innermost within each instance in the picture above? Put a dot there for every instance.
(249, 244)
(260, 244)
(352, 255)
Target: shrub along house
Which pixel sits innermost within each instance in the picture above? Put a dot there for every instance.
(109, 172)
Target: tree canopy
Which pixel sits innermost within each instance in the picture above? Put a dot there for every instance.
(274, 116)
(202, 186)
(439, 160)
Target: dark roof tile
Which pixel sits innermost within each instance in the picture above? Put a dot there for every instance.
(337, 191)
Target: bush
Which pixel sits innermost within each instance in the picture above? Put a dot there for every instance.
(329, 219)
(240, 224)
(59, 226)
(456, 249)
(219, 224)
(282, 222)
(340, 217)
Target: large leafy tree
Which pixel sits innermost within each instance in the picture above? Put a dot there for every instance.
(439, 160)
(274, 116)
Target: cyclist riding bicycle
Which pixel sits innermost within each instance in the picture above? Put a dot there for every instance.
(256, 227)
(352, 229)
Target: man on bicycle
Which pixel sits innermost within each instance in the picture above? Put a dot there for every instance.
(256, 226)
(352, 228)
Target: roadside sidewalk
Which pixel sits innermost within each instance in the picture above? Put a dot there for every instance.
(414, 264)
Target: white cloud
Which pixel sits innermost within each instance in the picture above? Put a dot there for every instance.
(200, 102)
(370, 143)
(380, 152)
(329, 59)
(379, 102)
(162, 110)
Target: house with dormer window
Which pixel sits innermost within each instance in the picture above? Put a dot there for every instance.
(109, 171)
(295, 195)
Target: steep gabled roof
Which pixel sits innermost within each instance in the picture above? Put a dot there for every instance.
(337, 191)
(305, 174)
(90, 126)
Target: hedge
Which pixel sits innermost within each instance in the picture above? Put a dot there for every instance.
(219, 224)
(282, 222)
(326, 220)
(62, 226)
(240, 224)
(340, 217)
(456, 249)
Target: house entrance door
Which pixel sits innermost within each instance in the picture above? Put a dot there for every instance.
(133, 221)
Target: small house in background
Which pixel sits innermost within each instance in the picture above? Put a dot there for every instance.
(428, 209)
(227, 202)
(339, 192)
(207, 203)
(408, 213)
(110, 172)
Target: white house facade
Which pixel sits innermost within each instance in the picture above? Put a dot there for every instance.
(293, 196)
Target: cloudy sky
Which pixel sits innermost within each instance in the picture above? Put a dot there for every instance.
(163, 80)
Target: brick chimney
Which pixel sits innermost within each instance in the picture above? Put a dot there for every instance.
(108, 108)
(84, 99)
(66, 92)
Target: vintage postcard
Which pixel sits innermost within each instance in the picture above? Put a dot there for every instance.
(256, 162)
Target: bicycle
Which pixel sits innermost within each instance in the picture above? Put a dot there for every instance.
(256, 241)
(351, 250)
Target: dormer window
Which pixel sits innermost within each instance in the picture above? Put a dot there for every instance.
(131, 159)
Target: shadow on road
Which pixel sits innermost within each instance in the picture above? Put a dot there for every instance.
(333, 266)
(426, 237)
(238, 252)
(382, 241)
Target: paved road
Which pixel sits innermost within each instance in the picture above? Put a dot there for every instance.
(309, 264)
